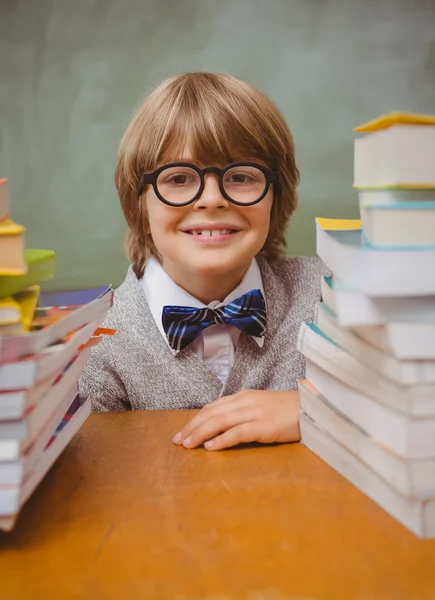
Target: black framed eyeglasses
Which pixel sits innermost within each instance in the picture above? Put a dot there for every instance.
(181, 183)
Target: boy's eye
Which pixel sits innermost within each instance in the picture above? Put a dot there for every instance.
(239, 178)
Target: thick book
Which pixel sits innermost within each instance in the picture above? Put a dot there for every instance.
(17, 405)
(4, 199)
(30, 424)
(12, 260)
(412, 400)
(40, 267)
(12, 499)
(407, 341)
(418, 515)
(396, 153)
(11, 449)
(395, 196)
(403, 352)
(409, 477)
(29, 372)
(409, 437)
(355, 309)
(402, 225)
(374, 272)
(53, 321)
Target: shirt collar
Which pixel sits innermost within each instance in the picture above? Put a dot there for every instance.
(161, 290)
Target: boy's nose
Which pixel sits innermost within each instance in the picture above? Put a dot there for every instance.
(211, 197)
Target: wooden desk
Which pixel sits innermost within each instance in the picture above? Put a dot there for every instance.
(126, 514)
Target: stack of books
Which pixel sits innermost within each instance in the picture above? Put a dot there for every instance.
(44, 345)
(368, 401)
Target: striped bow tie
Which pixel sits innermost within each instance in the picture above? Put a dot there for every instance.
(183, 324)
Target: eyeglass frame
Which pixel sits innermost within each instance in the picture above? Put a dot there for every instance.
(271, 176)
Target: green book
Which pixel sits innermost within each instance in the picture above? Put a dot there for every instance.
(41, 266)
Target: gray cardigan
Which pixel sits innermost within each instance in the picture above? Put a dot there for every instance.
(135, 368)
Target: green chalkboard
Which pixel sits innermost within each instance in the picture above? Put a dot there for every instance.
(73, 72)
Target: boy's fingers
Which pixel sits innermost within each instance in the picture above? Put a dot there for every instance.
(241, 434)
(217, 424)
(211, 411)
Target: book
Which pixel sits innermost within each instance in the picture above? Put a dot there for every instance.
(12, 260)
(408, 477)
(396, 118)
(396, 152)
(401, 351)
(40, 266)
(10, 311)
(4, 199)
(399, 225)
(418, 515)
(30, 371)
(354, 308)
(31, 422)
(27, 300)
(395, 196)
(408, 341)
(12, 500)
(412, 400)
(381, 356)
(52, 322)
(12, 448)
(376, 273)
(406, 435)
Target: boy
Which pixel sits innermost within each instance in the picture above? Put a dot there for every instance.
(210, 309)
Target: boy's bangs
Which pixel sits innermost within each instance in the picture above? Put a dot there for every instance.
(212, 138)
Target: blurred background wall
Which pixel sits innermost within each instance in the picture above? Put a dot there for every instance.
(71, 74)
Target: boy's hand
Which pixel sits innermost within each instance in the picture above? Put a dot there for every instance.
(248, 416)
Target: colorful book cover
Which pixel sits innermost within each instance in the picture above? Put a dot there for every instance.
(40, 267)
(396, 118)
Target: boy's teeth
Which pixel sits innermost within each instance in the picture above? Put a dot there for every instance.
(211, 233)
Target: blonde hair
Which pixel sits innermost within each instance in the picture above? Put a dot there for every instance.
(224, 119)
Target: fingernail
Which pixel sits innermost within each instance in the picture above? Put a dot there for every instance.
(208, 444)
(187, 441)
(177, 438)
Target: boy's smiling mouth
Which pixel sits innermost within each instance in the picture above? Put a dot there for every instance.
(211, 232)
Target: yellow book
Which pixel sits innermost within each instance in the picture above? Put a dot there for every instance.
(12, 248)
(396, 118)
(28, 301)
(10, 311)
(338, 224)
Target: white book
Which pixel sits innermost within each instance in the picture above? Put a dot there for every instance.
(13, 448)
(398, 156)
(413, 400)
(409, 437)
(12, 500)
(401, 225)
(13, 347)
(354, 308)
(418, 515)
(377, 349)
(28, 427)
(17, 466)
(412, 341)
(4, 199)
(376, 197)
(409, 477)
(375, 272)
(20, 403)
(28, 372)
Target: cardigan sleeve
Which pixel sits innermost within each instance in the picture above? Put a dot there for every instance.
(101, 381)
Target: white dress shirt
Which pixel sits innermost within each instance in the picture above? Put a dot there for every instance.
(216, 344)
